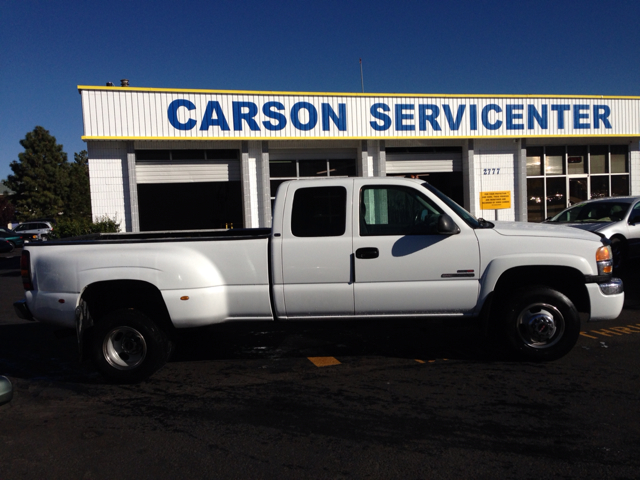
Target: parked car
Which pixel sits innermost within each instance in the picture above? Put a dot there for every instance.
(617, 218)
(11, 236)
(35, 231)
(5, 247)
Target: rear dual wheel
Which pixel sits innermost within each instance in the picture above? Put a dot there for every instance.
(127, 347)
(541, 324)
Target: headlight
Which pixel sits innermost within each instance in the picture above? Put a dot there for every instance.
(604, 259)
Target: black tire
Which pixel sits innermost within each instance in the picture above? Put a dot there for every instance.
(619, 250)
(541, 324)
(127, 347)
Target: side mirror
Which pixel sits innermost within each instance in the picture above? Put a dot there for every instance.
(446, 225)
(635, 218)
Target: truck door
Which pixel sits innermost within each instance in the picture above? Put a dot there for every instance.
(402, 266)
(316, 249)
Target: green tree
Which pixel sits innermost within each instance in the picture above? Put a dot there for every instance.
(78, 200)
(6, 211)
(40, 178)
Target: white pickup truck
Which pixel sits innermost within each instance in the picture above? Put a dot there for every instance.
(350, 248)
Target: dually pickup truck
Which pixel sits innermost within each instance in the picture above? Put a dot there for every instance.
(347, 248)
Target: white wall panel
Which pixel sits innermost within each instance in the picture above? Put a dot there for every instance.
(495, 172)
(106, 162)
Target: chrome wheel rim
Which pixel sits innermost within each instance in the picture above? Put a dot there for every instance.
(124, 348)
(540, 325)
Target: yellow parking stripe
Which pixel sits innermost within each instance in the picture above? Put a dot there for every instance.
(611, 331)
(605, 332)
(588, 336)
(323, 361)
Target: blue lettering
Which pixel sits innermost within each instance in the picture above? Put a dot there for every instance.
(604, 116)
(377, 114)
(239, 115)
(423, 118)
(172, 113)
(577, 116)
(512, 116)
(560, 109)
(485, 117)
(473, 117)
(339, 120)
(401, 117)
(209, 121)
(542, 119)
(313, 116)
(267, 109)
(454, 125)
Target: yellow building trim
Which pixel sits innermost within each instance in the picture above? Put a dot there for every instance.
(342, 94)
(87, 138)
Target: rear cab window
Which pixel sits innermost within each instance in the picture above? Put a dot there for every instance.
(319, 212)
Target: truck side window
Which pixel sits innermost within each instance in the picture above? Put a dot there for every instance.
(396, 210)
(319, 212)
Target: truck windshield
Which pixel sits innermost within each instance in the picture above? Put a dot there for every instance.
(461, 212)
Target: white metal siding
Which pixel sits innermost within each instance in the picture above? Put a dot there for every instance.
(115, 112)
(424, 162)
(187, 171)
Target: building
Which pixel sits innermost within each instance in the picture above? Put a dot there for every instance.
(165, 159)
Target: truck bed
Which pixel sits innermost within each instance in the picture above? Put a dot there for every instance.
(164, 236)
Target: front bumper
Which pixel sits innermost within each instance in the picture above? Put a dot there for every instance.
(22, 310)
(607, 299)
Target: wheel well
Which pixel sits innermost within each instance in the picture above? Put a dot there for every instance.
(105, 297)
(619, 236)
(566, 280)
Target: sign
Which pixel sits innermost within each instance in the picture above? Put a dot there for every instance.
(139, 113)
(495, 200)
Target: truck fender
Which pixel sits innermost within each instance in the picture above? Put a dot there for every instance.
(499, 266)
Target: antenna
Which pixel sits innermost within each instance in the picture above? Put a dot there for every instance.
(361, 77)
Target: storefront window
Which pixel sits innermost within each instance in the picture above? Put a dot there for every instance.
(577, 160)
(534, 161)
(535, 199)
(599, 186)
(554, 164)
(577, 190)
(573, 174)
(619, 159)
(556, 195)
(598, 160)
(619, 185)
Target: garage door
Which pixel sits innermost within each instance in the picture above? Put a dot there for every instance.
(399, 163)
(187, 166)
(188, 189)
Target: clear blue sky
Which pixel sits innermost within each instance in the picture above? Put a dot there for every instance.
(467, 46)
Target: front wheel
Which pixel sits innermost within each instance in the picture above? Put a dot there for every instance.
(541, 324)
(127, 347)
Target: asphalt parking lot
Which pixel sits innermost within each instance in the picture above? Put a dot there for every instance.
(324, 401)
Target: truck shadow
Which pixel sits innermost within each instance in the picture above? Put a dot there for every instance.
(40, 352)
(424, 340)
